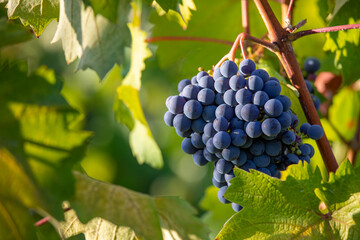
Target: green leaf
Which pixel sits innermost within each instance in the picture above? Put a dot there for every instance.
(345, 43)
(291, 209)
(168, 4)
(108, 9)
(128, 107)
(117, 211)
(37, 13)
(39, 130)
(98, 43)
(217, 213)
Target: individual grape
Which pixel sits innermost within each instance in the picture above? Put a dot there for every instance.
(264, 170)
(292, 158)
(248, 165)
(250, 112)
(206, 96)
(219, 177)
(201, 74)
(316, 101)
(183, 83)
(274, 78)
(209, 130)
(304, 128)
(257, 148)
(229, 176)
(221, 124)
(255, 83)
(176, 104)
(260, 98)
(304, 158)
(231, 153)
(315, 132)
(198, 125)
(243, 96)
(205, 138)
(273, 169)
(262, 74)
(196, 140)
(206, 82)
(311, 65)
(284, 120)
(210, 147)
(312, 151)
(236, 207)
(246, 67)
(225, 111)
(238, 137)
(194, 80)
(309, 86)
(181, 122)
(241, 160)
(228, 68)
(209, 113)
(236, 123)
(273, 148)
(187, 146)
(221, 193)
(221, 84)
(219, 99)
(218, 184)
(305, 150)
(222, 140)
(272, 88)
(223, 166)
(253, 129)
(294, 120)
(237, 82)
(217, 74)
(271, 127)
(190, 92)
(238, 111)
(210, 156)
(273, 108)
(193, 109)
(229, 97)
(262, 161)
(199, 158)
(288, 137)
(285, 102)
(183, 134)
(169, 118)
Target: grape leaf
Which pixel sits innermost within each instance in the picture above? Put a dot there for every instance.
(37, 13)
(345, 43)
(97, 42)
(217, 213)
(114, 211)
(40, 130)
(109, 9)
(127, 105)
(269, 201)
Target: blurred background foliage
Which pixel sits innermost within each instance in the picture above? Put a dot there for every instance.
(108, 156)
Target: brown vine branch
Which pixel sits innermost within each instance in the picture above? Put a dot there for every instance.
(300, 34)
(245, 15)
(187, 38)
(287, 57)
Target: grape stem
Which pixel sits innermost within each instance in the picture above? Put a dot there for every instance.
(240, 41)
(245, 15)
(187, 38)
(289, 11)
(280, 37)
(300, 34)
(286, 12)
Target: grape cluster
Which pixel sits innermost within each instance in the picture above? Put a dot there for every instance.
(237, 118)
(311, 66)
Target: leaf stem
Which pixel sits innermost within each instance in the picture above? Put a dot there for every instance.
(286, 54)
(300, 34)
(187, 38)
(289, 11)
